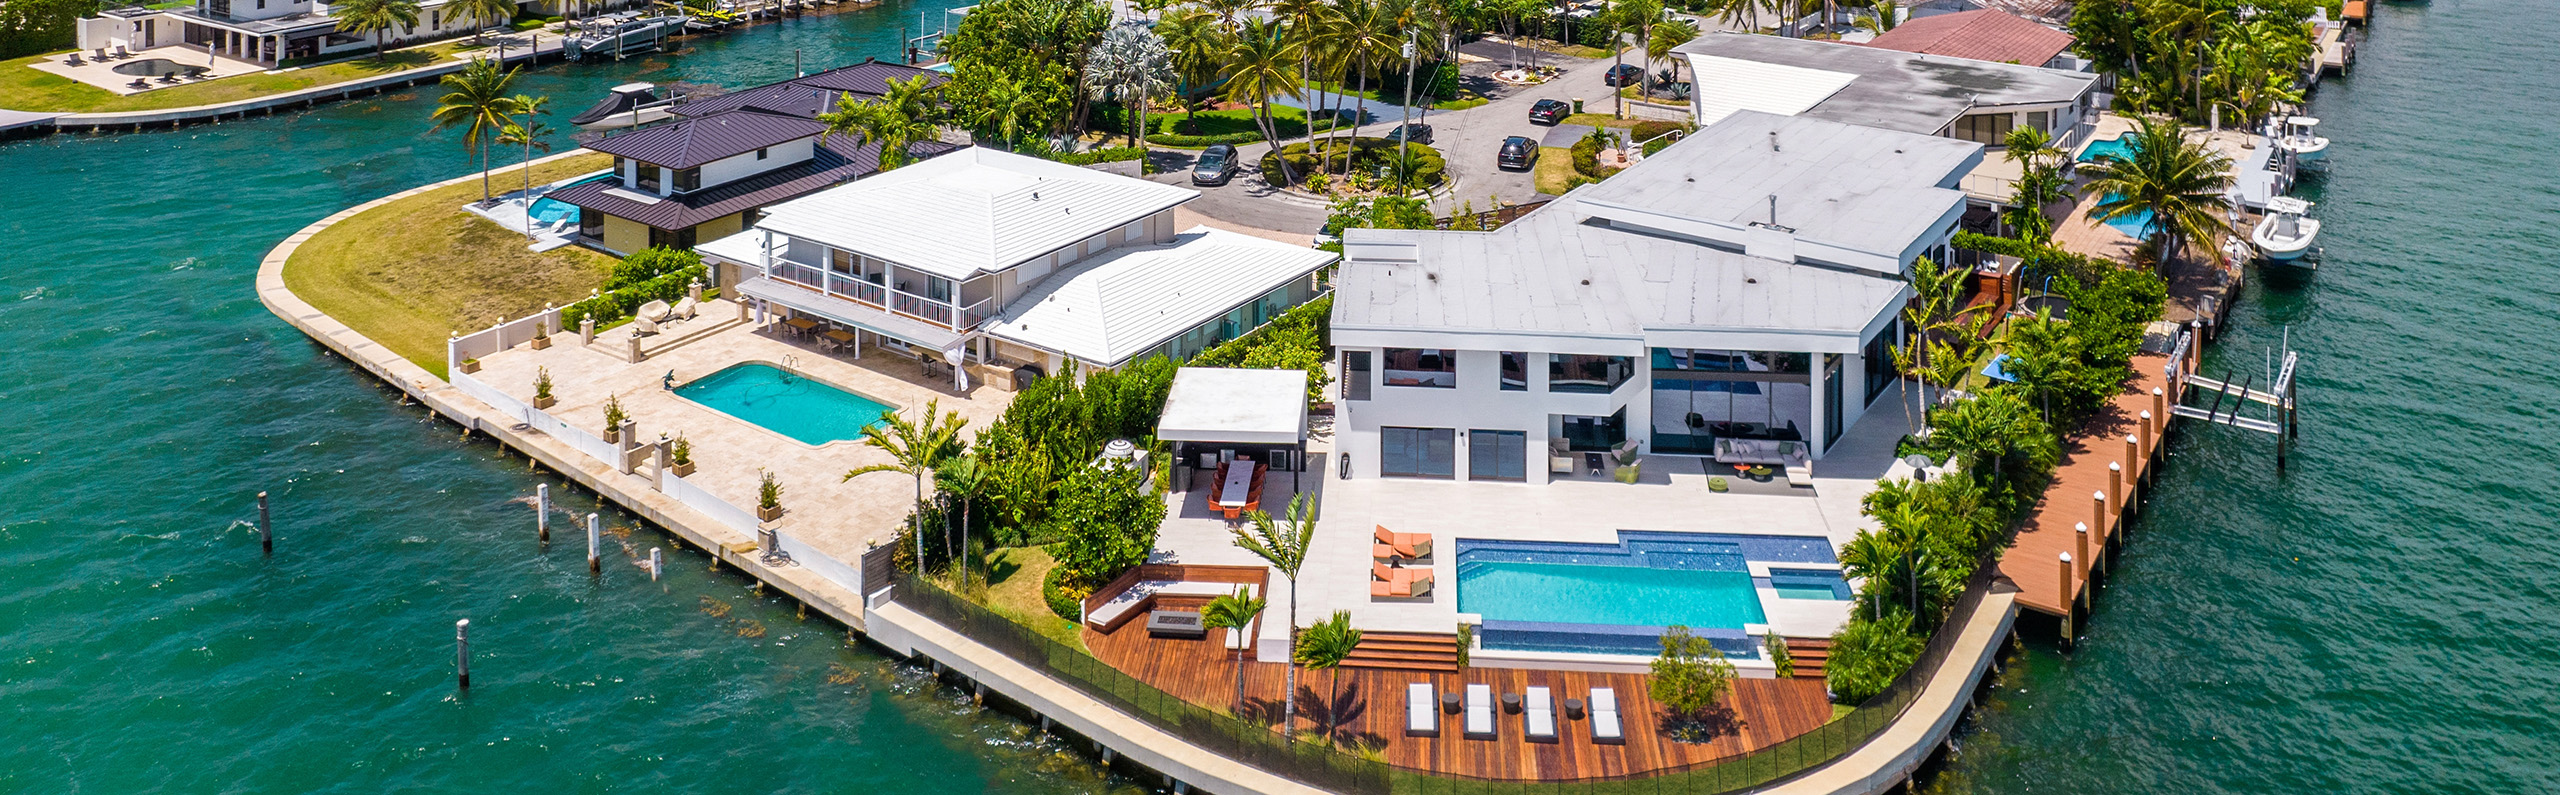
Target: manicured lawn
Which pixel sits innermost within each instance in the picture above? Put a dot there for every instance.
(1012, 588)
(25, 88)
(407, 273)
(1599, 119)
(1555, 168)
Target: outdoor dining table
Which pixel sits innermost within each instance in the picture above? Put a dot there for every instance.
(800, 325)
(1238, 485)
(842, 339)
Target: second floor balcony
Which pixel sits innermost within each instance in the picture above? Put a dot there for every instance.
(875, 292)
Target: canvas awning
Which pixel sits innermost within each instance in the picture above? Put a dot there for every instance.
(1235, 406)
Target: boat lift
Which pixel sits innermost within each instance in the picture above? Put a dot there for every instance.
(2280, 397)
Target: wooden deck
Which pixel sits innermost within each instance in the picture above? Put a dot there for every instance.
(1369, 705)
(2033, 560)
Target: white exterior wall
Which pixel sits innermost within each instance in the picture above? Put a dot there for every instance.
(731, 169)
(1479, 404)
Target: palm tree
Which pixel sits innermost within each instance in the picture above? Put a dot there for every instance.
(1004, 108)
(1622, 18)
(375, 17)
(2178, 181)
(1234, 611)
(961, 480)
(529, 134)
(1305, 24)
(1199, 48)
(482, 13)
(1230, 12)
(1283, 544)
(915, 448)
(1364, 35)
(478, 102)
(2040, 183)
(1323, 647)
(1258, 72)
(1666, 37)
(895, 121)
(1882, 16)
(1934, 308)
(1132, 65)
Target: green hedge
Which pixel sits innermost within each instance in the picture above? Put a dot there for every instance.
(2047, 259)
(1288, 128)
(1092, 156)
(1301, 338)
(1368, 154)
(619, 304)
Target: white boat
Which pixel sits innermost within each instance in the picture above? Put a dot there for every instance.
(616, 34)
(2286, 234)
(2299, 139)
(630, 105)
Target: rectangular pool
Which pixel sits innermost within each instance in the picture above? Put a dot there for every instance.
(811, 411)
(1565, 593)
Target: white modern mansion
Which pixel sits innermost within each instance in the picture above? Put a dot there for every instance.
(1014, 262)
(265, 31)
(1742, 285)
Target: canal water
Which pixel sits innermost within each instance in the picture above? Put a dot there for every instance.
(2379, 618)
(146, 396)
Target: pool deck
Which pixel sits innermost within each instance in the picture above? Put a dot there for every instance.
(838, 517)
(102, 74)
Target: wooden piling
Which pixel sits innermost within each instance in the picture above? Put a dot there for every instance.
(656, 564)
(266, 531)
(542, 511)
(2069, 604)
(462, 651)
(2082, 555)
(2098, 511)
(595, 528)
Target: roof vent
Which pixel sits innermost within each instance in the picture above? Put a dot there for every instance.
(1773, 140)
(1750, 280)
(1431, 276)
(1586, 282)
(1035, 195)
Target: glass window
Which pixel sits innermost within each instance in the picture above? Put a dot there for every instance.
(1573, 372)
(1355, 375)
(1689, 412)
(1418, 452)
(1427, 367)
(648, 177)
(1831, 414)
(2040, 119)
(1988, 129)
(1595, 433)
(1515, 371)
(1725, 361)
(1879, 360)
(1497, 455)
(688, 179)
(760, 153)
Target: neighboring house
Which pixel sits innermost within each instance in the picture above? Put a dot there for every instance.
(1743, 283)
(1961, 98)
(700, 178)
(1987, 34)
(1014, 261)
(265, 31)
(810, 95)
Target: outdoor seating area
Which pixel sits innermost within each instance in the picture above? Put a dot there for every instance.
(123, 72)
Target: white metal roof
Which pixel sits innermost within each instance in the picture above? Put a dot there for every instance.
(1216, 404)
(1725, 85)
(1895, 90)
(1127, 301)
(971, 211)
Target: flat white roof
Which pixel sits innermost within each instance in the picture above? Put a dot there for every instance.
(972, 211)
(1218, 404)
(1725, 85)
(1127, 301)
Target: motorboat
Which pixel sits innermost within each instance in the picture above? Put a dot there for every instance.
(619, 33)
(2299, 138)
(630, 105)
(2286, 234)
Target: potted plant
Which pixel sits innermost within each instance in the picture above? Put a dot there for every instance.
(680, 456)
(541, 335)
(470, 366)
(768, 497)
(613, 419)
(542, 398)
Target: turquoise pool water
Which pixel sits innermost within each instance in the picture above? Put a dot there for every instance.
(548, 211)
(2119, 147)
(1639, 596)
(787, 403)
(2136, 226)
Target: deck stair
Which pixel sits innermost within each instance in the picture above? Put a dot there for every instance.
(1809, 655)
(1405, 651)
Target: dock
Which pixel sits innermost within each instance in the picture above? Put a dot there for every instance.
(2102, 474)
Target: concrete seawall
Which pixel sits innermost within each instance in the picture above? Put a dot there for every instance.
(171, 118)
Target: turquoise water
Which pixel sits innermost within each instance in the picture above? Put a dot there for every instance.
(1635, 596)
(2119, 147)
(145, 646)
(2136, 225)
(547, 210)
(784, 402)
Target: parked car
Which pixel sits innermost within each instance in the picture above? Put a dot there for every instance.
(1420, 133)
(1216, 165)
(1518, 152)
(1625, 74)
(1549, 111)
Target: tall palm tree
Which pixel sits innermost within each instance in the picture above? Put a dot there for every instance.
(1231, 13)
(1004, 108)
(2040, 183)
(1234, 611)
(1936, 307)
(961, 480)
(528, 133)
(1131, 65)
(1283, 544)
(1258, 72)
(2178, 181)
(477, 102)
(482, 13)
(915, 447)
(375, 18)
(1199, 48)
(895, 121)
(1323, 647)
(1364, 36)
(1623, 18)
(1666, 37)
(1305, 24)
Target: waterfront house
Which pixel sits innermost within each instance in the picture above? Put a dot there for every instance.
(1017, 263)
(1736, 291)
(703, 177)
(1914, 92)
(268, 32)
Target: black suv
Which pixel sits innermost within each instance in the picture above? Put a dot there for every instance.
(1625, 74)
(1414, 133)
(1550, 111)
(1216, 165)
(1518, 152)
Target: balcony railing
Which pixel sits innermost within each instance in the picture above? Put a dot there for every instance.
(887, 299)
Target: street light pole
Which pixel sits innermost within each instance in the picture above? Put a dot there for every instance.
(1404, 139)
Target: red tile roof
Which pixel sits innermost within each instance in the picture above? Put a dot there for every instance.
(1982, 35)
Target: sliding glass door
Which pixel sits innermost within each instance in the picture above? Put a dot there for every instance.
(1497, 455)
(1418, 452)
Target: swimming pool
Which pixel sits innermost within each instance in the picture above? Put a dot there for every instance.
(1564, 593)
(547, 211)
(2119, 147)
(2136, 226)
(794, 405)
(1552, 596)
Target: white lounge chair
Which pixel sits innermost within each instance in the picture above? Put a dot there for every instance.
(1604, 718)
(648, 316)
(1538, 714)
(1479, 712)
(684, 308)
(1421, 711)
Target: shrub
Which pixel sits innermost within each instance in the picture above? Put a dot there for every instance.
(1690, 675)
(1298, 339)
(1650, 129)
(541, 382)
(1866, 656)
(768, 490)
(1783, 660)
(649, 264)
(1106, 523)
(618, 304)
(1369, 155)
(613, 413)
(1065, 599)
(1107, 155)
(1586, 153)
(680, 452)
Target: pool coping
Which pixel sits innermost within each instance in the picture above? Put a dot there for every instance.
(678, 393)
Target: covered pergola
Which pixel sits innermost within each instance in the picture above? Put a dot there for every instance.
(1220, 413)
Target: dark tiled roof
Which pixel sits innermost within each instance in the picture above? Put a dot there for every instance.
(1984, 35)
(837, 161)
(696, 141)
(802, 96)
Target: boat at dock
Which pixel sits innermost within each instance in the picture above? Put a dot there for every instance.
(2298, 137)
(622, 33)
(2285, 234)
(629, 105)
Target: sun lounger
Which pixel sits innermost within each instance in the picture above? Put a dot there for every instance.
(1538, 715)
(1421, 711)
(1479, 712)
(684, 308)
(1604, 717)
(1410, 546)
(121, 54)
(76, 60)
(138, 83)
(647, 317)
(1390, 582)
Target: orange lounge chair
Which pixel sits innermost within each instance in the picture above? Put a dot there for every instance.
(1390, 582)
(1410, 546)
